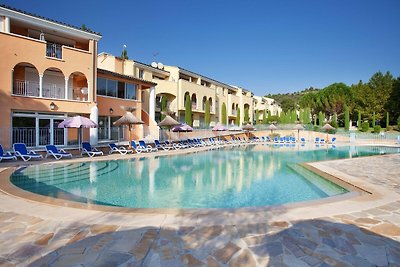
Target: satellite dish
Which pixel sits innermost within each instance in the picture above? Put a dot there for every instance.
(160, 65)
(154, 64)
(84, 90)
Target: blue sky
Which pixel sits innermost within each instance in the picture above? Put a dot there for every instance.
(264, 46)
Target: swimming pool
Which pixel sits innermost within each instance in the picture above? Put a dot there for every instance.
(247, 176)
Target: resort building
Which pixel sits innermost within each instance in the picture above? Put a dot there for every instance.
(266, 104)
(175, 83)
(48, 72)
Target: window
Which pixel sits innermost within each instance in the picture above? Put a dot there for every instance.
(130, 91)
(116, 89)
(141, 72)
(121, 90)
(111, 88)
(101, 86)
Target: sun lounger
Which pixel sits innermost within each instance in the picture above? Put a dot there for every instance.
(302, 140)
(21, 151)
(52, 150)
(316, 140)
(161, 146)
(90, 151)
(6, 155)
(136, 148)
(333, 140)
(322, 141)
(146, 147)
(293, 140)
(122, 150)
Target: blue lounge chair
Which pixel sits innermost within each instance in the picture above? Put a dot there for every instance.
(21, 151)
(160, 146)
(136, 147)
(89, 150)
(145, 147)
(293, 140)
(333, 140)
(302, 140)
(276, 140)
(322, 141)
(56, 153)
(316, 140)
(287, 139)
(122, 150)
(6, 155)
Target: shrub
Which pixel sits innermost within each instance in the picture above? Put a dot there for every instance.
(316, 128)
(389, 128)
(364, 126)
(377, 129)
(334, 122)
(398, 123)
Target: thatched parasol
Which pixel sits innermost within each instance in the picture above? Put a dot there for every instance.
(168, 122)
(298, 127)
(128, 119)
(248, 128)
(327, 127)
(272, 127)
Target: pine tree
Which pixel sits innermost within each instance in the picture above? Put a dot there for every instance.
(387, 120)
(359, 120)
(207, 114)
(223, 114)
(163, 106)
(264, 118)
(256, 117)
(373, 120)
(269, 117)
(346, 118)
(246, 115)
(238, 117)
(321, 118)
(188, 110)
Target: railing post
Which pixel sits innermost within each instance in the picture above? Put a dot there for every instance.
(40, 85)
(66, 87)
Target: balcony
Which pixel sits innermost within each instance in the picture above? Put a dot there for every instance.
(26, 88)
(53, 50)
(53, 91)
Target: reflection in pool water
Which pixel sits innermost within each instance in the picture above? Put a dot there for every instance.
(247, 176)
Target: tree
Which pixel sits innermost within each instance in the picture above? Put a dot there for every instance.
(359, 120)
(188, 111)
(373, 120)
(246, 115)
(288, 104)
(256, 117)
(164, 101)
(264, 119)
(124, 54)
(321, 118)
(238, 117)
(346, 118)
(387, 120)
(223, 114)
(207, 115)
(334, 121)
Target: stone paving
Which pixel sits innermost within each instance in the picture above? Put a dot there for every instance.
(366, 237)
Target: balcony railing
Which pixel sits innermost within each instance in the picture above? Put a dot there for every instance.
(194, 106)
(26, 88)
(53, 91)
(54, 50)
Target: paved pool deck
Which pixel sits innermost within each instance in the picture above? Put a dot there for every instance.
(358, 229)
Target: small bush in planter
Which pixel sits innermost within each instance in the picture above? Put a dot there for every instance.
(316, 128)
(377, 129)
(364, 126)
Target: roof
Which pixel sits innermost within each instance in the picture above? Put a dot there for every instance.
(123, 76)
(48, 19)
(224, 84)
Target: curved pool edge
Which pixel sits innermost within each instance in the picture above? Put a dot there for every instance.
(331, 206)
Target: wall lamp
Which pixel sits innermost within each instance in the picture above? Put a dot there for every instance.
(52, 106)
(111, 110)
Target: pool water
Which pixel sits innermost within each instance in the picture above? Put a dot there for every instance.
(247, 176)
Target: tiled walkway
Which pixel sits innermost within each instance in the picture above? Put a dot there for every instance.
(369, 236)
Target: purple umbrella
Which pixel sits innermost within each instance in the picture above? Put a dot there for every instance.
(78, 122)
(219, 128)
(182, 128)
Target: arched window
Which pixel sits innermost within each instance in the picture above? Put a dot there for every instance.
(194, 101)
